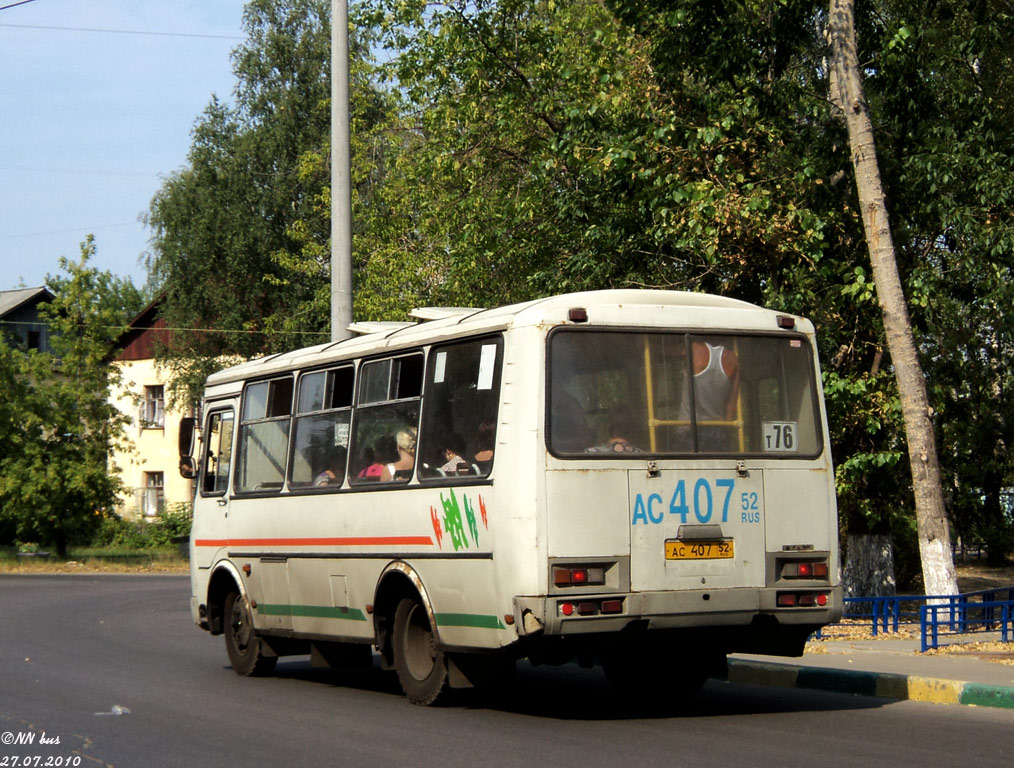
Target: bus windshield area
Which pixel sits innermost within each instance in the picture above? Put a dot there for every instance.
(615, 394)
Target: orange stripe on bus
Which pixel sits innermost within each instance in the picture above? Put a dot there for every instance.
(351, 541)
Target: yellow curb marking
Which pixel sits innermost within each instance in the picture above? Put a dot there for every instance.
(920, 689)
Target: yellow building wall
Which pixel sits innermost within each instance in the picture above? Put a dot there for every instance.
(152, 449)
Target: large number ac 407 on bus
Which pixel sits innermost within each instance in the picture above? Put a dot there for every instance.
(640, 479)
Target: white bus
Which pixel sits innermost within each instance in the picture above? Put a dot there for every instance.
(640, 479)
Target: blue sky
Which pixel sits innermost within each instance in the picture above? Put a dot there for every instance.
(94, 114)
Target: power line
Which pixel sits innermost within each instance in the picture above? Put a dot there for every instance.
(14, 5)
(117, 31)
(185, 330)
(68, 231)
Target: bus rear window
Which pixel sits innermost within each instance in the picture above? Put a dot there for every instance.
(615, 394)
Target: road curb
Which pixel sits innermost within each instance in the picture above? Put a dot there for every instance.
(881, 684)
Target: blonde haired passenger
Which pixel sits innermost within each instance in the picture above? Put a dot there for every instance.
(406, 439)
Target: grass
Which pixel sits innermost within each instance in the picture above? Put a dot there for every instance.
(98, 560)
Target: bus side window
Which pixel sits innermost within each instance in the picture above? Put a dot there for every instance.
(217, 453)
(462, 396)
(384, 435)
(320, 438)
(264, 435)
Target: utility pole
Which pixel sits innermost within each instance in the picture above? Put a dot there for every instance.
(341, 175)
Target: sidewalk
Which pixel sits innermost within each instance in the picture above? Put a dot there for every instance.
(889, 668)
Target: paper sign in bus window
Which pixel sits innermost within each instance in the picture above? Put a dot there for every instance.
(487, 359)
(439, 368)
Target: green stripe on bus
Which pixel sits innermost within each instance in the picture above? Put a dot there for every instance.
(311, 611)
(476, 620)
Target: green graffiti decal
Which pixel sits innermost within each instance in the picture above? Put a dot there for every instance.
(473, 527)
(452, 521)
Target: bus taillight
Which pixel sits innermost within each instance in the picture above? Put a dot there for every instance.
(804, 569)
(802, 599)
(591, 607)
(578, 577)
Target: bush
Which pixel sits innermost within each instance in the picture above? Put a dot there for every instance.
(163, 531)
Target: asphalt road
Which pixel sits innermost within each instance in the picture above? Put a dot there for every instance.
(112, 668)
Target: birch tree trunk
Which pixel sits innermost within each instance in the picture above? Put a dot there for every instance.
(931, 516)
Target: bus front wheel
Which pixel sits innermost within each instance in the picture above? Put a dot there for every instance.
(421, 665)
(246, 650)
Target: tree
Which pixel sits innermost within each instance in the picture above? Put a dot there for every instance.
(553, 145)
(931, 515)
(392, 272)
(57, 423)
(943, 105)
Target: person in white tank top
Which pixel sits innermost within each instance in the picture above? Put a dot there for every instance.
(716, 382)
(715, 372)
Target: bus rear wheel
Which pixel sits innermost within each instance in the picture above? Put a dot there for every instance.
(421, 665)
(246, 650)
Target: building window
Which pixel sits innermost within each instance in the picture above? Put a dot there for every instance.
(153, 410)
(153, 501)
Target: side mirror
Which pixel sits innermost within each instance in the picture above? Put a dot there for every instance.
(188, 466)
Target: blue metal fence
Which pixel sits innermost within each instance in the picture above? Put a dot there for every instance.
(935, 615)
(974, 617)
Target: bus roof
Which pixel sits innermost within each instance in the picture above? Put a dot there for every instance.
(606, 307)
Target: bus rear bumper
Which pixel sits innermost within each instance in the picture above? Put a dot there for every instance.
(710, 610)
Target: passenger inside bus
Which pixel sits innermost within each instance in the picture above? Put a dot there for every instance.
(374, 459)
(402, 468)
(334, 473)
(483, 456)
(716, 387)
(622, 427)
(451, 455)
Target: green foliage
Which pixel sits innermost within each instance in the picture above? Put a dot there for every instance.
(162, 532)
(57, 424)
(553, 148)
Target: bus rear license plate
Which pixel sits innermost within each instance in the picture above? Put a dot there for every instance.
(699, 550)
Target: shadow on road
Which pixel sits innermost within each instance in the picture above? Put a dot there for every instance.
(571, 693)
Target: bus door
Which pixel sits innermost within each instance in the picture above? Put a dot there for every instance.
(212, 507)
(257, 521)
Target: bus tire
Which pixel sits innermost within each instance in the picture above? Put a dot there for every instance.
(419, 662)
(247, 652)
